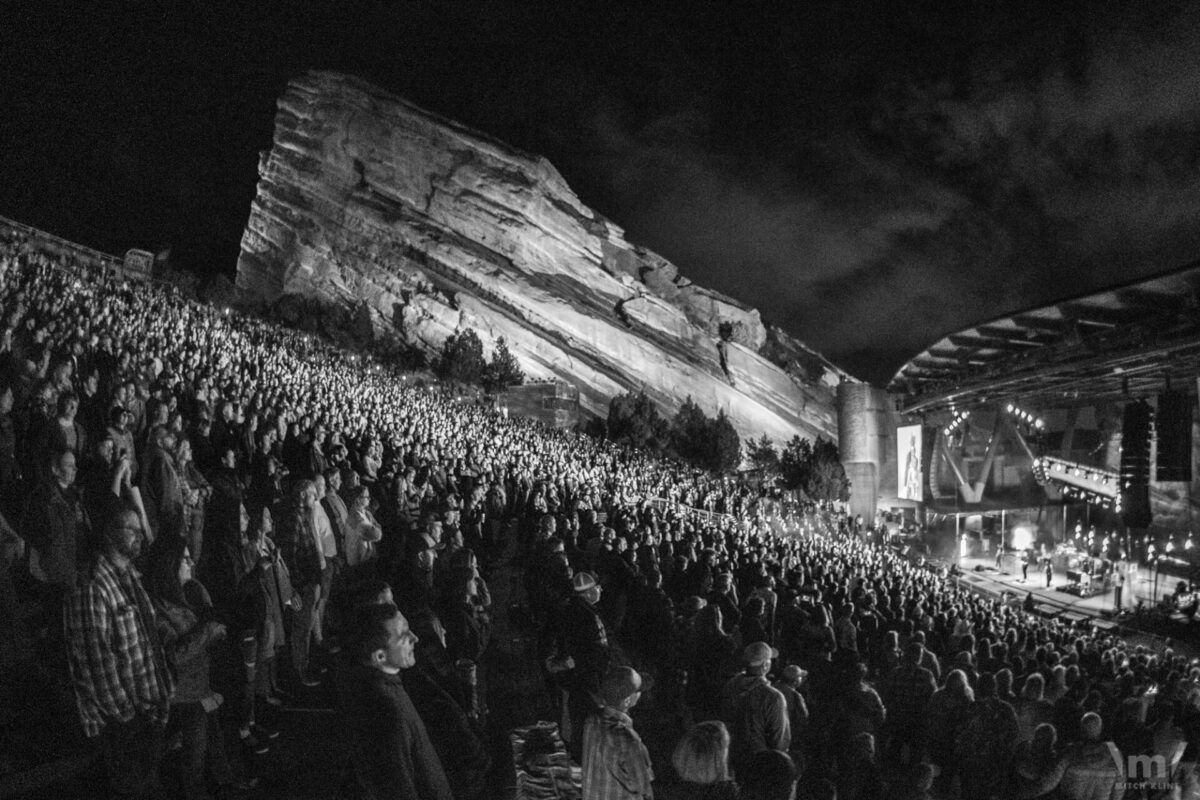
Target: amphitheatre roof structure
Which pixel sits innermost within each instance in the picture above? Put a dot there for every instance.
(1124, 342)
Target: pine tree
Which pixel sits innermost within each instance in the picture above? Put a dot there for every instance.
(794, 461)
(504, 369)
(724, 444)
(462, 358)
(815, 470)
(762, 454)
(689, 433)
(827, 477)
(633, 419)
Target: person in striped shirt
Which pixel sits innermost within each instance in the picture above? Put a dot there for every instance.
(616, 765)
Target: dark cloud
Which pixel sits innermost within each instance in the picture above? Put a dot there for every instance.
(929, 196)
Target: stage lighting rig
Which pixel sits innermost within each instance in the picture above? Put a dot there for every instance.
(957, 422)
(1025, 417)
(1092, 484)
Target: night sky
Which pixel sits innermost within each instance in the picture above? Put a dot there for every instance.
(869, 175)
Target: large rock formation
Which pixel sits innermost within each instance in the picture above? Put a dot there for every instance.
(427, 227)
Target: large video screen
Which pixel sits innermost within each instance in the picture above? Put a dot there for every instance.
(909, 480)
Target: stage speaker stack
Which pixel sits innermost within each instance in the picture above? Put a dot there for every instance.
(1173, 429)
(1135, 464)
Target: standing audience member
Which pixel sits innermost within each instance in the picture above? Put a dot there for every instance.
(196, 492)
(389, 747)
(120, 674)
(1095, 769)
(305, 563)
(711, 661)
(701, 762)
(860, 779)
(582, 655)
(755, 711)
(1038, 767)
(328, 546)
(57, 530)
(948, 711)
(263, 594)
(906, 692)
(987, 744)
(189, 633)
(616, 765)
(162, 489)
(789, 684)
(770, 775)
(363, 533)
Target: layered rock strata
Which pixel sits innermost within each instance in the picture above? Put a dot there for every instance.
(369, 201)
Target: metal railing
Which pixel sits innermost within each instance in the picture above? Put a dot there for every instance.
(81, 251)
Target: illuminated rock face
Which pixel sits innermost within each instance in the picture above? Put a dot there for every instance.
(369, 201)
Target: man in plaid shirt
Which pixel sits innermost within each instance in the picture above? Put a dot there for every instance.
(118, 668)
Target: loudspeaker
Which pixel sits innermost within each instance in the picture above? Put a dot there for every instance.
(1135, 464)
(1173, 430)
(928, 437)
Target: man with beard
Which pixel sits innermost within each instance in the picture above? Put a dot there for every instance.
(118, 669)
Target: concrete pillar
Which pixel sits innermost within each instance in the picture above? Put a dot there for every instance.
(861, 409)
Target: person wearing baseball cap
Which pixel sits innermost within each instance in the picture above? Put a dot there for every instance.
(582, 656)
(789, 682)
(616, 765)
(754, 710)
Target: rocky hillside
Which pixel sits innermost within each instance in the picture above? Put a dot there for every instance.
(423, 227)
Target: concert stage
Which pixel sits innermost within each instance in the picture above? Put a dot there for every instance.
(1059, 603)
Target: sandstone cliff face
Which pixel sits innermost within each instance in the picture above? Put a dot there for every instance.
(367, 200)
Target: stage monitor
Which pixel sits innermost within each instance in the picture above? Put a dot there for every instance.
(910, 480)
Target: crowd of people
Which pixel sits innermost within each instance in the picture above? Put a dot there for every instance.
(179, 483)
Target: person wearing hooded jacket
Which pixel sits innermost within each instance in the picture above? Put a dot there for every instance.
(754, 710)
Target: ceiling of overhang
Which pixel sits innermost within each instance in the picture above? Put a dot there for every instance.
(1128, 341)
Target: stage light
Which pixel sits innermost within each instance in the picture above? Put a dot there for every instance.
(1022, 538)
(1027, 417)
(1188, 544)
